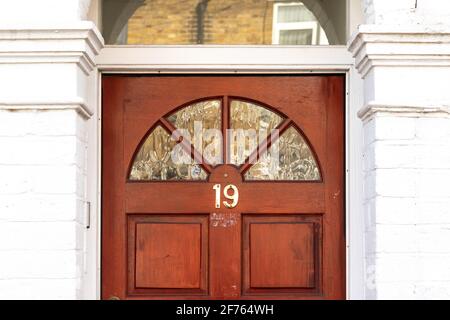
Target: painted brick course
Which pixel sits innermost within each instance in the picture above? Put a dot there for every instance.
(407, 171)
(42, 196)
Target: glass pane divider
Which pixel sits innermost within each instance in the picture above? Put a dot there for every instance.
(153, 161)
(297, 160)
(170, 128)
(225, 126)
(186, 145)
(248, 120)
(264, 146)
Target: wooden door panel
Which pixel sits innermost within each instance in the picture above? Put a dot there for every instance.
(282, 254)
(167, 239)
(168, 254)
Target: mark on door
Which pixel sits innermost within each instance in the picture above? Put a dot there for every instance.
(224, 220)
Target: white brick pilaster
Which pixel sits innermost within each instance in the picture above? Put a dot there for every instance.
(47, 76)
(403, 54)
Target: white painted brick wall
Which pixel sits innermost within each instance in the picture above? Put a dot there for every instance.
(403, 12)
(38, 11)
(42, 203)
(40, 288)
(407, 206)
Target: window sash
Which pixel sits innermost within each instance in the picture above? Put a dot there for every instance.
(279, 26)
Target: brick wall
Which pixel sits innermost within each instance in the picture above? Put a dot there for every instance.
(225, 22)
(42, 200)
(406, 148)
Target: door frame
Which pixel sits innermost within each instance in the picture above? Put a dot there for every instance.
(296, 59)
(236, 60)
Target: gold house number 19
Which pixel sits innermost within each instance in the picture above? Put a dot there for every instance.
(234, 197)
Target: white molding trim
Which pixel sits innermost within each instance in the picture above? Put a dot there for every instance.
(79, 106)
(223, 59)
(396, 46)
(372, 109)
(78, 43)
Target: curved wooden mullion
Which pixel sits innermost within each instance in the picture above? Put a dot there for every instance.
(186, 145)
(263, 146)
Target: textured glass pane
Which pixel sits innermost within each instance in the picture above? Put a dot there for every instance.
(250, 125)
(296, 37)
(155, 160)
(202, 123)
(291, 159)
(294, 13)
(223, 22)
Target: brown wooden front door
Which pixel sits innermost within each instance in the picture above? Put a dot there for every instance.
(194, 210)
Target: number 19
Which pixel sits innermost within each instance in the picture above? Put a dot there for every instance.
(234, 196)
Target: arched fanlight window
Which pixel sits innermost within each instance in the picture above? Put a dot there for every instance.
(188, 143)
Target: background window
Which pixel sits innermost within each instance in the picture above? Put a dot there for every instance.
(294, 24)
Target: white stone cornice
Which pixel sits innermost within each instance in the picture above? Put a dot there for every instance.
(395, 46)
(78, 105)
(78, 42)
(405, 110)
